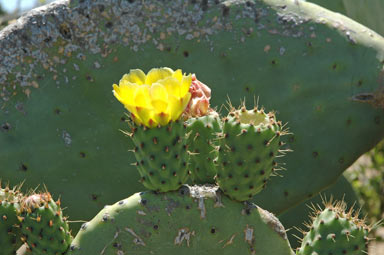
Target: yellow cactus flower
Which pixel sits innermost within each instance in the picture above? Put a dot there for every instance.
(155, 98)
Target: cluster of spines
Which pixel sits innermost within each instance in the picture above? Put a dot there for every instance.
(161, 155)
(249, 145)
(334, 230)
(43, 227)
(9, 227)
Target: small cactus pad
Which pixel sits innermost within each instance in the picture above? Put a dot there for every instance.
(335, 231)
(161, 155)
(44, 229)
(9, 229)
(249, 144)
(201, 142)
(193, 220)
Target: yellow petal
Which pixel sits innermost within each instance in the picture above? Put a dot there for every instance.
(184, 101)
(136, 76)
(185, 85)
(178, 75)
(159, 97)
(158, 91)
(162, 118)
(178, 105)
(172, 85)
(124, 93)
(141, 97)
(156, 74)
(146, 116)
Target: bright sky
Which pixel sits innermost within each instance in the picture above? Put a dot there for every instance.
(10, 5)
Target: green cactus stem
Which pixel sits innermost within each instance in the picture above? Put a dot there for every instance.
(193, 220)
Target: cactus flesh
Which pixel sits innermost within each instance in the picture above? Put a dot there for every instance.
(9, 228)
(44, 229)
(335, 231)
(249, 143)
(192, 220)
(202, 141)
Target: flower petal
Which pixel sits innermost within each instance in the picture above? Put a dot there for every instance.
(141, 97)
(178, 105)
(162, 118)
(185, 85)
(146, 116)
(159, 97)
(156, 74)
(136, 76)
(178, 75)
(124, 93)
(172, 85)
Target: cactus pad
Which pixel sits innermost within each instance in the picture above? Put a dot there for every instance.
(249, 143)
(9, 228)
(202, 134)
(43, 226)
(335, 231)
(192, 220)
(162, 155)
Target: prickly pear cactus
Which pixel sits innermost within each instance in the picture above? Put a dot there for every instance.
(202, 142)
(249, 144)
(335, 231)
(294, 218)
(58, 64)
(192, 220)
(44, 228)
(9, 223)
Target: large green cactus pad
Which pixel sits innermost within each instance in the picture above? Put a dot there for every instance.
(59, 121)
(192, 220)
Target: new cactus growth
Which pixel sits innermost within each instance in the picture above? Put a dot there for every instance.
(249, 144)
(9, 224)
(335, 231)
(193, 220)
(43, 227)
(156, 102)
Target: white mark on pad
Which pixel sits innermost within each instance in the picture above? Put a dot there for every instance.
(139, 212)
(137, 240)
(66, 137)
(248, 234)
(184, 234)
(202, 208)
